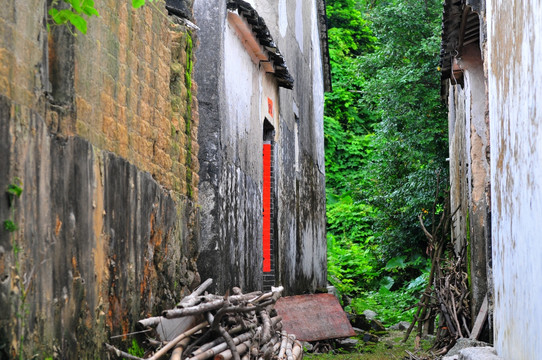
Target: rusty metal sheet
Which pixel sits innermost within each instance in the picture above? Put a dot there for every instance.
(314, 317)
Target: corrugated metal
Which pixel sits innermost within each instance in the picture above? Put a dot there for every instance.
(314, 317)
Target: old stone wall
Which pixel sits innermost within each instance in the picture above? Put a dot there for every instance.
(100, 131)
(515, 96)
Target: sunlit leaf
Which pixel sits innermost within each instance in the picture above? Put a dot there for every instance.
(79, 22)
(137, 3)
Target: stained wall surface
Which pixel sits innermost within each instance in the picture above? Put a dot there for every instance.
(233, 98)
(470, 171)
(100, 131)
(515, 94)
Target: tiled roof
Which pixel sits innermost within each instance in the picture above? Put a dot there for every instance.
(261, 32)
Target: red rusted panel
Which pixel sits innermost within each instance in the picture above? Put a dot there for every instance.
(314, 317)
(266, 207)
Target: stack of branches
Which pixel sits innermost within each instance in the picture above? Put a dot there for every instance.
(239, 327)
(446, 293)
(451, 290)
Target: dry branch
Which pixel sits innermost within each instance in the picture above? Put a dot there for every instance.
(179, 348)
(228, 354)
(175, 341)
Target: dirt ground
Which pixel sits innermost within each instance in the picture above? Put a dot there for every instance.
(390, 346)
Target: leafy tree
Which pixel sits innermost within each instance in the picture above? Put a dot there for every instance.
(386, 138)
(347, 127)
(403, 90)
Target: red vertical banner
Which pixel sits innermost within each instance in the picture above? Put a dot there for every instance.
(270, 106)
(266, 207)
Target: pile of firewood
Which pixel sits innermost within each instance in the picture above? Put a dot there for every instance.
(446, 294)
(239, 326)
(452, 292)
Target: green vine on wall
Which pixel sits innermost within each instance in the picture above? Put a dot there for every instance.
(188, 84)
(77, 12)
(14, 191)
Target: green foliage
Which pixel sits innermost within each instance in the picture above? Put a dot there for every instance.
(77, 13)
(10, 226)
(349, 218)
(136, 350)
(14, 189)
(385, 141)
(392, 306)
(403, 90)
(351, 266)
(139, 3)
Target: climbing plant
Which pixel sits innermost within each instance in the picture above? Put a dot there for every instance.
(77, 12)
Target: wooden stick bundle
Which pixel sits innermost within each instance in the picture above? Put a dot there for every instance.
(237, 327)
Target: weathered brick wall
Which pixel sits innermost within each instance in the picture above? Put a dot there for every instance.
(124, 105)
(101, 132)
(21, 52)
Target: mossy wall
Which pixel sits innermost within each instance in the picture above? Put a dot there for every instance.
(100, 131)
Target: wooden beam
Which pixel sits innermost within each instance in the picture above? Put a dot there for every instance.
(480, 320)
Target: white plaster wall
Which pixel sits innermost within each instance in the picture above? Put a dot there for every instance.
(317, 89)
(269, 90)
(299, 23)
(242, 87)
(301, 194)
(515, 92)
(283, 17)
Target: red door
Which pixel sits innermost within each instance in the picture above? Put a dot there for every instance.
(267, 207)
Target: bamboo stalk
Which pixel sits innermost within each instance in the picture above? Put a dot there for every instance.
(454, 312)
(207, 298)
(205, 352)
(297, 350)
(283, 343)
(227, 354)
(289, 347)
(221, 347)
(220, 340)
(230, 343)
(267, 350)
(178, 350)
(150, 322)
(175, 341)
